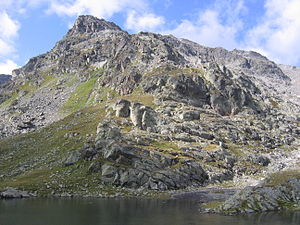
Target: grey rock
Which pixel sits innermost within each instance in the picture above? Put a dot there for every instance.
(95, 167)
(142, 116)
(107, 130)
(73, 158)
(190, 115)
(262, 160)
(109, 173)
(264, 198)
(122, 108)
(14, 193)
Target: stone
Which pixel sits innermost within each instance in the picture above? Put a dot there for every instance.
(190, 115)
(73, 158)
(122, 108)
(142, 116)
(107, 130)
(14, 193)
(109, 173)
(262, 160)
(264, 198)
(95, 167)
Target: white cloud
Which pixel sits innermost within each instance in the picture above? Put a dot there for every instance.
(144, 22)
(9, 30)
(278, 35)
(9, 27)
(5, 48)
(214, 27)
(7, 66)
(99, 8)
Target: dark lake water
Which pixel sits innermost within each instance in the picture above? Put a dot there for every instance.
(126, 212)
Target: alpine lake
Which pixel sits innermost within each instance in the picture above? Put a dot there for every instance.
(134, 211)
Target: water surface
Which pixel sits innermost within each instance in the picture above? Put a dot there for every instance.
(126, 212)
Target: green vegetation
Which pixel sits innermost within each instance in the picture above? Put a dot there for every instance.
(79, 97)
(32, 161)
(211, 147)
(106, 94)
(27, 87)
(281, 177)
(10, 100)
(145, 99)
(236, 150)
(165, 145)
(213, 204)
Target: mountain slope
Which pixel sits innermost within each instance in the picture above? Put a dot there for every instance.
(116, 112)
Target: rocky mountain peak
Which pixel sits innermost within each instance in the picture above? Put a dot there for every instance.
(91, 24)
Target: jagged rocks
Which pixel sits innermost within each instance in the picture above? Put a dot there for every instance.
(202, 96)
(189, 89)
(265, 198)
(90, 24)
(261, 160)
(134, 167)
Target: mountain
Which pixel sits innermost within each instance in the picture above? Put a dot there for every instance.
(106, 112)
(4, 79)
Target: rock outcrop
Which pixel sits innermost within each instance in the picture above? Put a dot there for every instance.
(10, 193)
(134, 165)
(265, 198)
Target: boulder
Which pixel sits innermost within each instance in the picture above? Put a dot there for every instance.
(109, 173)
(189, 115)
(262, 160)
(73, 158)
(142, 116)
(122, 108)
(14, 193)
(108, 130)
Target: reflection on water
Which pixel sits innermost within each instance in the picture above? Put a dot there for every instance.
(126, 212)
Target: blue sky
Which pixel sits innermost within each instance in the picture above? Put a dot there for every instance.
(271, 27)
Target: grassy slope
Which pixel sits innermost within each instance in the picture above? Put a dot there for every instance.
(32, 160)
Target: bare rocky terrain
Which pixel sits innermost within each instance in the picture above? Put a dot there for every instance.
(108, 113)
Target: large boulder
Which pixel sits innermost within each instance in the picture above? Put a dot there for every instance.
(143, 116)
(122, 108)
(14, 193)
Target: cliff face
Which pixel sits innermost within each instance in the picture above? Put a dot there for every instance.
(145, 111)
